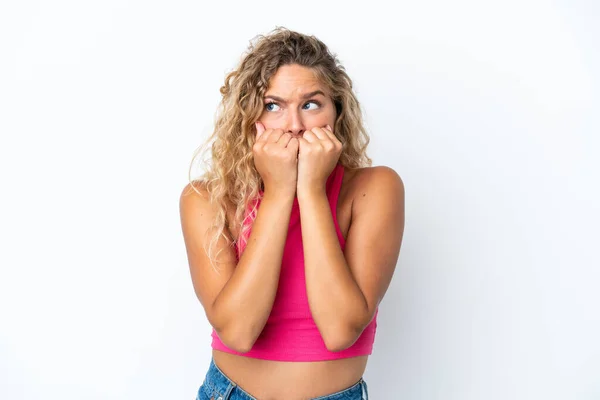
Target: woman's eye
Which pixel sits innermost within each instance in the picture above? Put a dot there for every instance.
(313, 102)
(270, 104)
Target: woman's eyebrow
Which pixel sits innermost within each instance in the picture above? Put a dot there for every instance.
(304, 96)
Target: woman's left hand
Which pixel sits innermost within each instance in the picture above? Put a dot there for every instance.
(318, 154)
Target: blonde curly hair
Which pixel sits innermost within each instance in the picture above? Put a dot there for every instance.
(231, 177)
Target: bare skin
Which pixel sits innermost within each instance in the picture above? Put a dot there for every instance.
(275, 380)
(343, 297)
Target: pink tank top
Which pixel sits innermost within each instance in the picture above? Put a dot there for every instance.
(290, 333)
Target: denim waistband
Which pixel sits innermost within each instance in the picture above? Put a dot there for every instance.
(217, 386)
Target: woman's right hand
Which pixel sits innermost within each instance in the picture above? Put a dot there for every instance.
(276, 159)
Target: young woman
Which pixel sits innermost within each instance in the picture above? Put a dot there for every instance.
(292, 237)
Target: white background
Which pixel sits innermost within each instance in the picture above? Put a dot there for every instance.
(487, 110)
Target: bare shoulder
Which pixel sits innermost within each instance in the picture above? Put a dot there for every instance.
(195, 206)
(194, 191)
(196, 212)
(363, 184)
(195, 198)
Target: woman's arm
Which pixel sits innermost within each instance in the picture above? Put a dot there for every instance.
(345, 288)
(238, 301)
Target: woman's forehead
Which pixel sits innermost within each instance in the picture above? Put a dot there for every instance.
(295, 81)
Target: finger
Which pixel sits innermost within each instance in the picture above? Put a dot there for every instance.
(294, 146)
(309, 136)
(260, 129)
(265, 134)
(302, 142)
(270, 135)
(275, 135)
(320, 133)
(331, 135)
(284, 139)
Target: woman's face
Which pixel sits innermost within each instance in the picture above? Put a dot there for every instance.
(296, 101)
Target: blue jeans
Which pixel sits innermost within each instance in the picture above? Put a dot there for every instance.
(217, 386)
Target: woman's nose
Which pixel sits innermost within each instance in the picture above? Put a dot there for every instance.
(295, 124)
